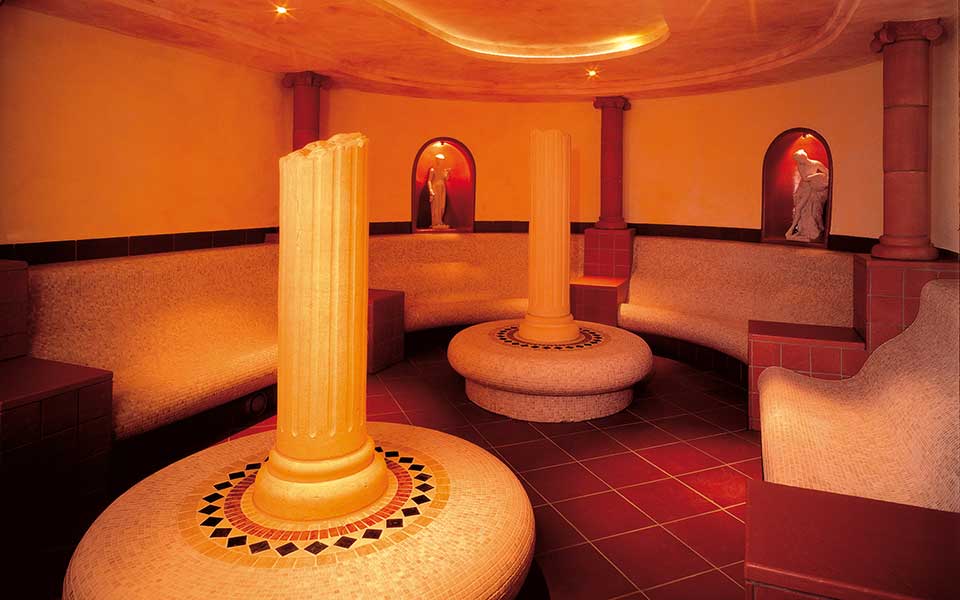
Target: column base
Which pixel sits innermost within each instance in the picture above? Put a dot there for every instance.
(548, 330)
(309, 490)
(614, 223)
(894, 251)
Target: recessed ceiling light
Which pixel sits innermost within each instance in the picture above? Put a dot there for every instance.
(592, 73)
(281, 10)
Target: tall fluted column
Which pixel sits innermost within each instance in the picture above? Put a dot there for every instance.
(611, 160)
(548, 318)
(323, 463)
(906, 138)
(306, 106)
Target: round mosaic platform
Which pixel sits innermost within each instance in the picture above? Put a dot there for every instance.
(588, 338)
(452, 514)
(588, 378)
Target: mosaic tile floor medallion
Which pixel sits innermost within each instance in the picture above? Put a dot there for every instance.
(230, 523)
(589, 338)
(454, 523)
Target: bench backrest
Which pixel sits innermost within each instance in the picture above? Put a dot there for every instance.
(105, 313)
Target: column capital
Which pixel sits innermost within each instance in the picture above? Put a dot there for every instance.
(305, 78)
(900, 31)
(619, 102)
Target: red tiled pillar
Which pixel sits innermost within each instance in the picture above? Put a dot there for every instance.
(306, 106)
(611, 160)
(906, 137)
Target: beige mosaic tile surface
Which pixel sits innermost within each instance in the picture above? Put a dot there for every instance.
(462, 528)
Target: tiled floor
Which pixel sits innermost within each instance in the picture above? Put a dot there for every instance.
(648, 503)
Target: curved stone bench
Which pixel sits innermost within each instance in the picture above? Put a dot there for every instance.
(728, 337)
(182, 332)
(891, 432)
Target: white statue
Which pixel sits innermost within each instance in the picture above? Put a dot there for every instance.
(810, 184)
(437, 184)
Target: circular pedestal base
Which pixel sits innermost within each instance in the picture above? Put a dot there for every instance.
(454, 523)
(588, 378)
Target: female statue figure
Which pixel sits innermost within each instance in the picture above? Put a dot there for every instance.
(437, 184)
(811, 182)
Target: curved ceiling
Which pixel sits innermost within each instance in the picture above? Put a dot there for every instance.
(511, 50)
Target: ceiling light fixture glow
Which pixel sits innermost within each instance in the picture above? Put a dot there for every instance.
(281, 10)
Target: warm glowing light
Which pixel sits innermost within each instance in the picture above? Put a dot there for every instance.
(281, 10)
(591, 73)
(440, 156)
(438, 144)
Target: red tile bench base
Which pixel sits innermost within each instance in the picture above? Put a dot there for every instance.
(814, 350)
(803, 543)
(384, 329)
(598, 299)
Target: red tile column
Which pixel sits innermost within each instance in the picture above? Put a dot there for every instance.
(611, 160)
(306, 106)
(906, 137)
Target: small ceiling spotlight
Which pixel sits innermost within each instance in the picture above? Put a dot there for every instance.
(438, 144)
(440, 156)
(593, 73)
(281, 10)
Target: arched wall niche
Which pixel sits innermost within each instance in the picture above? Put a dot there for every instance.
(443, 153)
(780, 181)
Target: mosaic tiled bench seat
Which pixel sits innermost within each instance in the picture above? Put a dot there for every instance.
(891, 432)
(384, 329)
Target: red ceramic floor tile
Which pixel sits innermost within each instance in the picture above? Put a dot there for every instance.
(651, 556)
(390, 418)
(533, 455)
(729, 418)
(724, 485)
(667, 500)
(687, 427)
(640, 435)
(508, 432)
(750, 468)
(555, 429)
(378, 405)
(581, 573)
(658, 384)
(589, 444)
(375, 387)
(678, 458)
(428, 399)
(602, 515)
(712, 585)
(654, 408)
(750, 435)
(553, 531)
(739, 511)
(624, 417)
(735, 571)
(439, 417)
(693, 400)
(400, 370)
(731, 394)
(727, 448)
(474, 414)
(623, 469)
(718, 537)
(469, 433)
(564, 481)
(535, 498)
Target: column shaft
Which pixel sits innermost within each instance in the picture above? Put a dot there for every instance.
(906, 136)
(611, 160)
(548, 317)
(306, 106)
(323, 463)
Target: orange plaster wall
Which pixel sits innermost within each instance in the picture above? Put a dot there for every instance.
(690, 160)
(945, 140)
(497, 134)
(697, 160)
(107, 135)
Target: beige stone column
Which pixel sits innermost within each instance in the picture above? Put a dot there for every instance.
(548, 318)
(324, 463)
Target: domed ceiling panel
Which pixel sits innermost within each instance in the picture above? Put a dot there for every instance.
(518, 50)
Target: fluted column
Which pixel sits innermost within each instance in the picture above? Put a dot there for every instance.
(548, 318)
(611, 160)
(306, 106)
(906, 138)
(323, 463)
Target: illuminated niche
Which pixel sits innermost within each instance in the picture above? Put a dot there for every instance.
(795, 151)
(443, 167)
